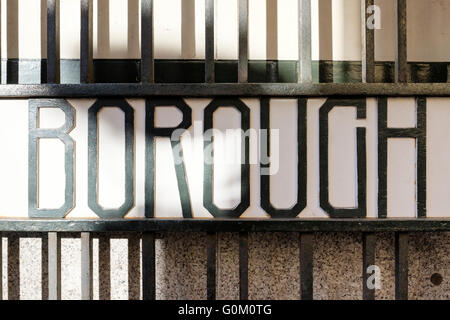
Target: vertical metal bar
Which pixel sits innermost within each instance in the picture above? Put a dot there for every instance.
(211, 260)
(401, 266)
(104, 266)
(13, 267)
(54, 266)
(304, 42)
(369, 240)
(86, 51)
(306, 266)
(243, 265)
(148, 266)
(147, 62)
(209, 41)
(401, 63)
(448, 73)
(53, 41)
(243, 42)
(44, 265)
(134, 270)
(368, 44)
(86, 266)
(43, 43)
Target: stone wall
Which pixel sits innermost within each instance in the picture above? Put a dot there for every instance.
(273, 266)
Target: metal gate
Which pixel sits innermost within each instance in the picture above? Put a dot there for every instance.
(51, 230)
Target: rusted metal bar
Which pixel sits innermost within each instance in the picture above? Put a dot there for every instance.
(306, 266)
(211, 261)
(401, 265)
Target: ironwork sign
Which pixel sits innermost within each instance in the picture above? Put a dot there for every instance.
(226, 157)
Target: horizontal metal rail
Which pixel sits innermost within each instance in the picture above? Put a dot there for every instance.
(224, 225)
(228, 89)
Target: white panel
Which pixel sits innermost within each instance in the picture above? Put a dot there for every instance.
(167, 29)
(167, 117)
(342, 157)
(227, 158)
(438, 155)
(401, 113)
(226, 29)
(325, 32)
(167, 199)
(30, 29)
(372, 156)
(428, 30)
(401, 171)
(118, 28)
(111, 157)
(315, 29)
(166, 183)
(283, 184)
(50, 118)
(401, 159)
(51, 161)
(288, 30)
(347, 30)
(385, 37)
(257, 29)
(14, 162)
(401, 178)
(199, 29)
(51, 174)
(3, 24)
(70, 29)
